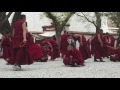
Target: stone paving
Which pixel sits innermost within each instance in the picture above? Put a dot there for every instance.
(56, 69)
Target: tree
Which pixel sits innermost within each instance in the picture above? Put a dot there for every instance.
(4, 23)
(94, 19)
(59, 19)
(115, 17)
(15, 18)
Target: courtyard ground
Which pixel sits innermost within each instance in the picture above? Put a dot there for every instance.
(56, 69)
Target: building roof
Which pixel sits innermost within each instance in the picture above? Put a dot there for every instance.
(48, 34)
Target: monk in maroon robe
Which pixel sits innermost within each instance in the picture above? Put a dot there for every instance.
(20, 55)
(55, 52)
(106, 43)
(73, 57)
(98, 46)
(84, 49)
(112, 44)
(112, 40)
(118, 41)
(45, 49)
(34, 49)
(116, 56)
(64, 44)
(6, 44)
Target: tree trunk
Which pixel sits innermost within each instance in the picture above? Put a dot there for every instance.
(1, 15)
(58, 33)
(97, 29)
(5, 18)
(98, 21)
(4, 24)
(15, 18)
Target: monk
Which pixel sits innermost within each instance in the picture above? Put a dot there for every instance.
(64, 43)
(20, 55)
(84, 49)
(73, 56)
(6, 44)
(115, 57)
(112, 40)
(98, 46)
(34, 49)
(46, 49)
(55, 52)
(106, 43)
(118, 41)
(112, 44)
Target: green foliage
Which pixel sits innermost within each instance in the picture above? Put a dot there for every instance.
(115, 17)
(59, 16)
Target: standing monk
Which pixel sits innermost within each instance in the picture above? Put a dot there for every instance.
(98, 46)
(6, 44)
(34, 49)
(84, 49)
(64, 43)
(20, 55)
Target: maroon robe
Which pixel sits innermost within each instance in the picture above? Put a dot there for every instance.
(73, 57)
(45, 49)
(21, 54)
(6, 47)
(105, 48)
(116, 57)
(98, 50)
(56, 52)
(112, 41)
(84, 49)
(34, 49)
(112, 44)
(64, 44)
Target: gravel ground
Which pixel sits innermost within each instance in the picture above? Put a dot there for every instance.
(56, 69)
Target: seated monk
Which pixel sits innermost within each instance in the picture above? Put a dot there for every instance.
(73, 57)
(115, 57)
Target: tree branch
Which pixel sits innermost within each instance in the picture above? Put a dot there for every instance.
(4, 19)
(15, 17)
(67, 18)
(1, 15)
(52, 17)
(89, 20)
(79, 15)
